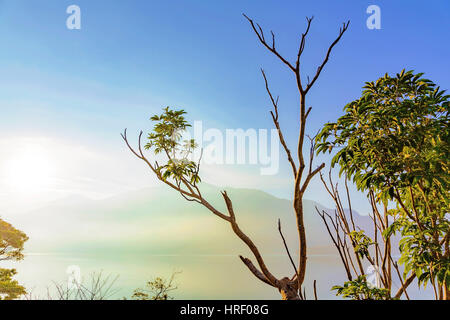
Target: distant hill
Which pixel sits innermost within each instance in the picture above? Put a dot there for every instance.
(159, 221)
(152, 231)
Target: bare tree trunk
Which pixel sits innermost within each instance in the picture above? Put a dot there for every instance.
(302, 241)
(288, 289)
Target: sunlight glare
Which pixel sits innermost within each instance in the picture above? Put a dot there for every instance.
(29, 170)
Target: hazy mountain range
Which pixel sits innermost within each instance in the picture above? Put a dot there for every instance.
(153, 231)
(159, 221)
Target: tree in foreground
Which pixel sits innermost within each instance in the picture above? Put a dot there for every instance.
(11, 248)
(393, 143)
(183, 175)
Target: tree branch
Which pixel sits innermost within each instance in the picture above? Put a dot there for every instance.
(277, 125)
(320, 68)
(255, 271)
(259, 32)
(248, 241)
(287, 248)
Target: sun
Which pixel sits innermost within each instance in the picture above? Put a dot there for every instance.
(29, 170)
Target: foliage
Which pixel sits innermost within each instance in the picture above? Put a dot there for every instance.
(395, 135)
(360, 290)
(166, 138)
(394, 142)
(10, 289)
(156, 289)
(11, 247)
(421, 255)
(361, 243)
(11, 242)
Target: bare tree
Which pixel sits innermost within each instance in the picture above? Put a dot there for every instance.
(185, 178)
(98, 287)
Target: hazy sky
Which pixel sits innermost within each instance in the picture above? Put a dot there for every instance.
(65, 95)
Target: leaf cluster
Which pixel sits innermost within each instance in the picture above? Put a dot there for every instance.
(167, 138)
(359, 289)
(394, 143)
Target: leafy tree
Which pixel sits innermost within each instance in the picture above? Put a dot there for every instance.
(156, 289)
(183, 175)
(11, 247)
(10, 289)
(394, 142)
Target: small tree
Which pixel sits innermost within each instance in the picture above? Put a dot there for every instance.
(394, 142)
(11, 248)
(157, 289)
(183, 176)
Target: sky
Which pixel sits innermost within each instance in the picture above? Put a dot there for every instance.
(65, 95)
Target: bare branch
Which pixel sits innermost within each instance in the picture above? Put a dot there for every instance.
(336, 243)
(287, 248)
(260, 35)
(254, 270)
(405, 285)
(248, 241)
(307, 112)
(310, 176)
(320, 68)
(302, 44)
(277, 125)
(315, 290)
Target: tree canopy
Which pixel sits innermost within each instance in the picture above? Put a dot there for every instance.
(394, 142)
(12, 242)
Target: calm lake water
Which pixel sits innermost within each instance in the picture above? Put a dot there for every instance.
(202, 276)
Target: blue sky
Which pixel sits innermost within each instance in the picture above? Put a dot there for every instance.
(132, 57)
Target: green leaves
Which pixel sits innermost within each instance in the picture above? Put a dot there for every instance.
(12, 241)
(359, 290)
(10, 288)
(166, 139)
(167, 131)
(362, 243)
(394, 142)
(388, 132)
(156, 289)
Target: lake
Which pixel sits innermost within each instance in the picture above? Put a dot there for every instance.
(201, 277)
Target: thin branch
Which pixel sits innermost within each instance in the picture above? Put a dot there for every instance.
(287, 248)
(248, 241)
(405, 285)
(310, 176)
(315, 289)
(302, 44)
(320, 68)
(274, 115)
(255, 271)
(260, 34)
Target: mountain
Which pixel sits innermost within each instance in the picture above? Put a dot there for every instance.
(150, 232)
(159, 221)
